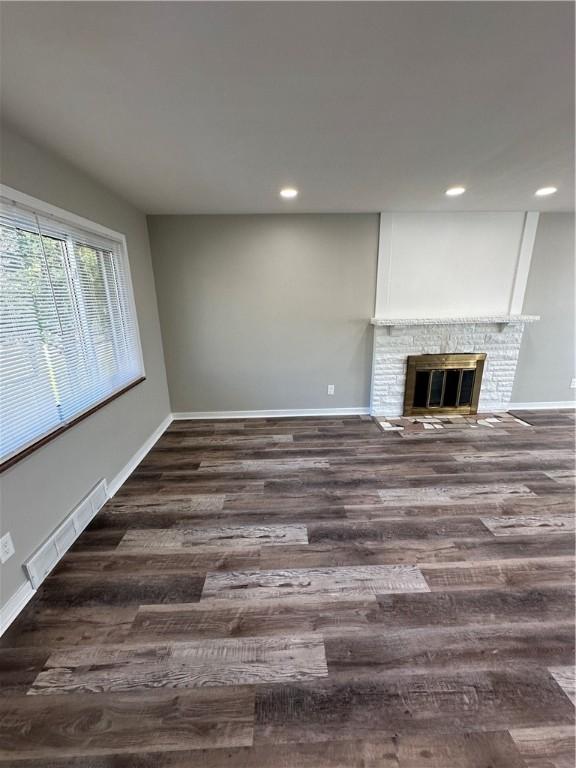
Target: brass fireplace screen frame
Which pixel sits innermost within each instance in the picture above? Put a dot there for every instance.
(442, 363)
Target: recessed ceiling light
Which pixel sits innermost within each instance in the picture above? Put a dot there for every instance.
(455, 191)
(545, 191)
(288, 193)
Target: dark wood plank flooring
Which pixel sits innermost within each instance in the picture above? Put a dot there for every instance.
(310, 593)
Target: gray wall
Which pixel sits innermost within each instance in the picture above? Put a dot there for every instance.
(546, 363)
(263, 312)
(37, 493)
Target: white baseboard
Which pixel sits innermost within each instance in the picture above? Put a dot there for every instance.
(127, 470)
(54, 548)
(270, 414)
(548, 406)
(15, 604)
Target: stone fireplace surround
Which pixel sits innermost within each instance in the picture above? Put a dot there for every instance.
(499, 336)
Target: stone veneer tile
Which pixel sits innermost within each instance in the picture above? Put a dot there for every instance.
(392, 347)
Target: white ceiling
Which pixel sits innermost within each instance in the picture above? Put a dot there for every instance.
(212, 107)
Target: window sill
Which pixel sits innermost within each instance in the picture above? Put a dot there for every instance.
(65, 427)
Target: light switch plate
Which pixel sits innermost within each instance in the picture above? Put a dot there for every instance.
(573, 384)
(330, 389)
(6, 548)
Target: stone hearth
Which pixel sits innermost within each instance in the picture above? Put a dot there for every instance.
(426, 426)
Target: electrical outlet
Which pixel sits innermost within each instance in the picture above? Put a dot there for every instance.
(330, 389)
(6, 548)
(573, 384)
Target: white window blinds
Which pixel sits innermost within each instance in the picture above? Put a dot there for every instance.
(68, 330)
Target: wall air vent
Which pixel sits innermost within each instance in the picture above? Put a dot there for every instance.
(52, 550)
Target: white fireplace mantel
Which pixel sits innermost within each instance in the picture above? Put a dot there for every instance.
(501, 320)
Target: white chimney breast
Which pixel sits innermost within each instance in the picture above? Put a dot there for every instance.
(450, 282)
(393, 344)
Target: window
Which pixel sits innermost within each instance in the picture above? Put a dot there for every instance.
(68, 331)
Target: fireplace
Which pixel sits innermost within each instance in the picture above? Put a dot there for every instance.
(443, 384)
(498, 338)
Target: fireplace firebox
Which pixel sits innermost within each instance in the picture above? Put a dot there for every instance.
(443, 384)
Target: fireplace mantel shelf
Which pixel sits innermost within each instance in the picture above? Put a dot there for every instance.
(480, 319)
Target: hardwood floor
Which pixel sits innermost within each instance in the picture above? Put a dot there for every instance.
(311, 593)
